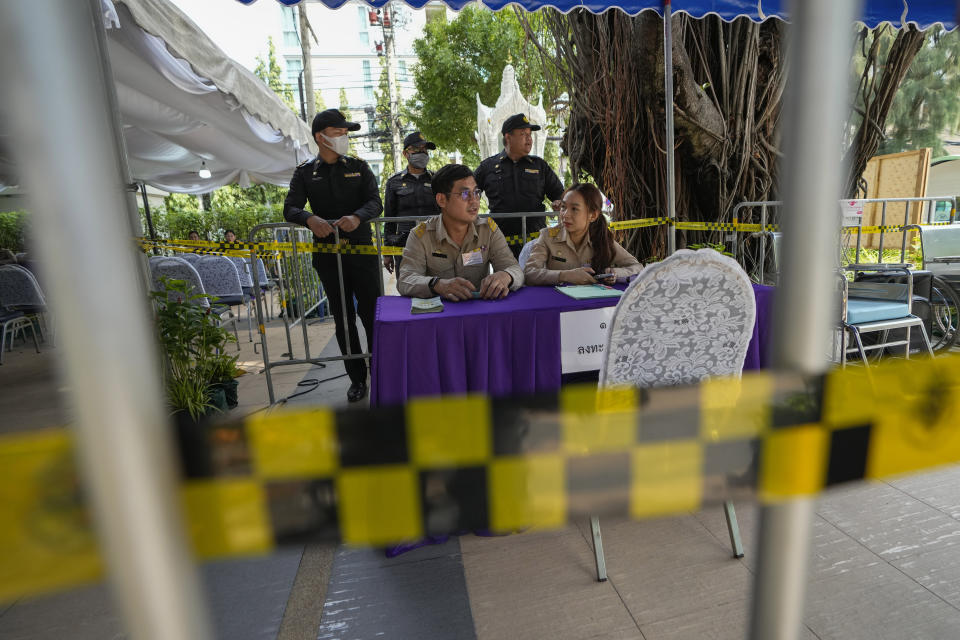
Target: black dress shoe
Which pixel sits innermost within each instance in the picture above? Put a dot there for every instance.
(357, 391)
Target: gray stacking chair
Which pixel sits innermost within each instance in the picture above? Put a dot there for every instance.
(242, 265)
(180, 269)
(20, 291)
(656, 342)
(221, 280)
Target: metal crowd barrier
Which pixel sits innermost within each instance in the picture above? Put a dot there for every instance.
(298, 282)
(768, 221)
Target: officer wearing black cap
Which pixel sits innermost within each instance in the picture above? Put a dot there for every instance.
(516, 181)
(408, 193)
(343, 189)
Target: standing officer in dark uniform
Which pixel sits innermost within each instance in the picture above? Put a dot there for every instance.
(408, 193)
(516, 181)
(343, 189)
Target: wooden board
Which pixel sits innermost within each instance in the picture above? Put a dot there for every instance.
(896, 175)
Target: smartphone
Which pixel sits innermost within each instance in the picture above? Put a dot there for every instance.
(606, 278)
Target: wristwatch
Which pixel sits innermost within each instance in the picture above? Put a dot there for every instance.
(433, 283)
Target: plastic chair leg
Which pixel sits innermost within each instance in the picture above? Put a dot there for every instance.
(598, 549)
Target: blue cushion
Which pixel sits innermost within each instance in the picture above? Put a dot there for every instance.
(860, 310)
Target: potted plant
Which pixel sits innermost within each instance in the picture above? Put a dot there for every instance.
(194, 345)
(196, 367)
(222, 368)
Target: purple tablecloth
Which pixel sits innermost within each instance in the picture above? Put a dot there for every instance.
(502, 347)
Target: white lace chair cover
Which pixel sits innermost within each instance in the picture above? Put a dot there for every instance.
(525, 253)
(681, 320)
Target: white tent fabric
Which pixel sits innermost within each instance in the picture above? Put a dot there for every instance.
(183, 103)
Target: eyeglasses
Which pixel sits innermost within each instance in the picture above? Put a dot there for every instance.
(466, 193)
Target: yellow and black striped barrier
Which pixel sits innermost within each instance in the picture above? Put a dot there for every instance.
(346, 247)
(378, 476)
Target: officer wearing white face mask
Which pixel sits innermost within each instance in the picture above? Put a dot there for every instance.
(408, 193)
(344, 190)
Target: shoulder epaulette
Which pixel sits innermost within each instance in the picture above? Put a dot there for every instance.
(305, 163)
(554, 231)
(491, 224)
(420, 229)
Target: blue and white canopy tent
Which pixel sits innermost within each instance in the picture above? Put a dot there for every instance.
(59, 94)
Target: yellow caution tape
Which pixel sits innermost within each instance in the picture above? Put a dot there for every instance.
(378, 476)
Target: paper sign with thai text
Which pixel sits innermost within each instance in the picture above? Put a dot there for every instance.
(583, 338)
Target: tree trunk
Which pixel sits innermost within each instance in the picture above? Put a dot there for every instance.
(878, 86)
(727, 77)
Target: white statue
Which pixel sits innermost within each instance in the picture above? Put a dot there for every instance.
(511, 101)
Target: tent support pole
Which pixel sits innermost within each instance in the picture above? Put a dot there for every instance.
(146, 211)
(83, 230)
(668, 110)
(815, 106)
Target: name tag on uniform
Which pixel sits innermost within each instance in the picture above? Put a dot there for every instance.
(352, 175)
(558, 258)
(437, 254)
(532, 170)
(426, 185)
(472, 257)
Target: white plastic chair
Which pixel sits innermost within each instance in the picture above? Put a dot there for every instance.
(680, 321)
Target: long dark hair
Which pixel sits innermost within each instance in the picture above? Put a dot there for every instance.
(601, 239)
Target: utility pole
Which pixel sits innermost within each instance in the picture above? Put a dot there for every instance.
(305, 32)
(386, 23)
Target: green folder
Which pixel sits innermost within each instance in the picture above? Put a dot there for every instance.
(587, 291)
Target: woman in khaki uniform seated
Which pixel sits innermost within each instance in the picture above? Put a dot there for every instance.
(581, 249)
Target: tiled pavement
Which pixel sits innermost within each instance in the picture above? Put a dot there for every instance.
(884, 564)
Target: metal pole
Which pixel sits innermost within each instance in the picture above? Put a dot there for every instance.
(343, 299)
(668, 108)
(306, 76)
(298, 291)
(376, 228)
(52, 49)
(805, 313)
(261, 321)
(146, 212)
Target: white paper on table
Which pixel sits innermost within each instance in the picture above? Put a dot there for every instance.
(852, 213)
(583, 338)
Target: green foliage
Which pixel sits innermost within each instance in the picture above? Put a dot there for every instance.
(319, 103)
(270, 72)
(13, 230)
(719, 247)
(463, 58)
(233, 208)
(927, 104)
(194, 346)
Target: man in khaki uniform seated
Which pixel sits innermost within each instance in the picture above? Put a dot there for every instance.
(449, 255)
